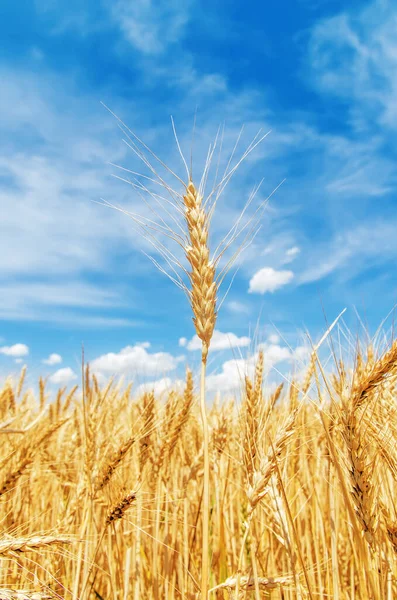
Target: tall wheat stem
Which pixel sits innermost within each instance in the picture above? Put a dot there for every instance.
(202, 275)
(206, 483)
(203, 301)
(203, 281)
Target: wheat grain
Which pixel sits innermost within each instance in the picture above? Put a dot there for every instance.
(118, 511)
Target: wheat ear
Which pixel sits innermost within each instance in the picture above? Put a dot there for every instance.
(29, 544)
(105, 476)
(118, 511)
(363, 490)
(202, 276)
(248, 583)
(7, 594)
(253, 418)
(267, 467)
(259, 481)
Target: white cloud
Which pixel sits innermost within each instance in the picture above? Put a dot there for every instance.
(63, 376)
(302, 353)
(135, 359)
(220, 341)
(150, 26)
(231, 377)
(182, 342)
(15, 350)
(48, 199)
(274, 353)
(53, 359)
(18, 361)
(269, 280)
(145, 345)
(45, 199)
(161, 386)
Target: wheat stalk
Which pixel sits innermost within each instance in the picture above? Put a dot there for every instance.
(203, 280)
(203, 295)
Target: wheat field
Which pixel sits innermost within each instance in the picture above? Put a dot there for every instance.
(283, 494)
(101, 492)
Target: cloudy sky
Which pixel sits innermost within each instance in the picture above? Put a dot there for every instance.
(319, 75)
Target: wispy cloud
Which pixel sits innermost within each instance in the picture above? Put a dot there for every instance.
(354, 250)
(62, 301)
(354, 56)
(63, 319)
(151, 26)
(291, 254)
(63, 293)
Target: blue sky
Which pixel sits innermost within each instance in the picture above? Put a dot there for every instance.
(320, 75)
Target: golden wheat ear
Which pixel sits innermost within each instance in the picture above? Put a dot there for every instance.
(8, 594)
(118, 510)
(203, 289)
(29, 544)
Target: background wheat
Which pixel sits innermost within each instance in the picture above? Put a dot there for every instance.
(293, 474)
